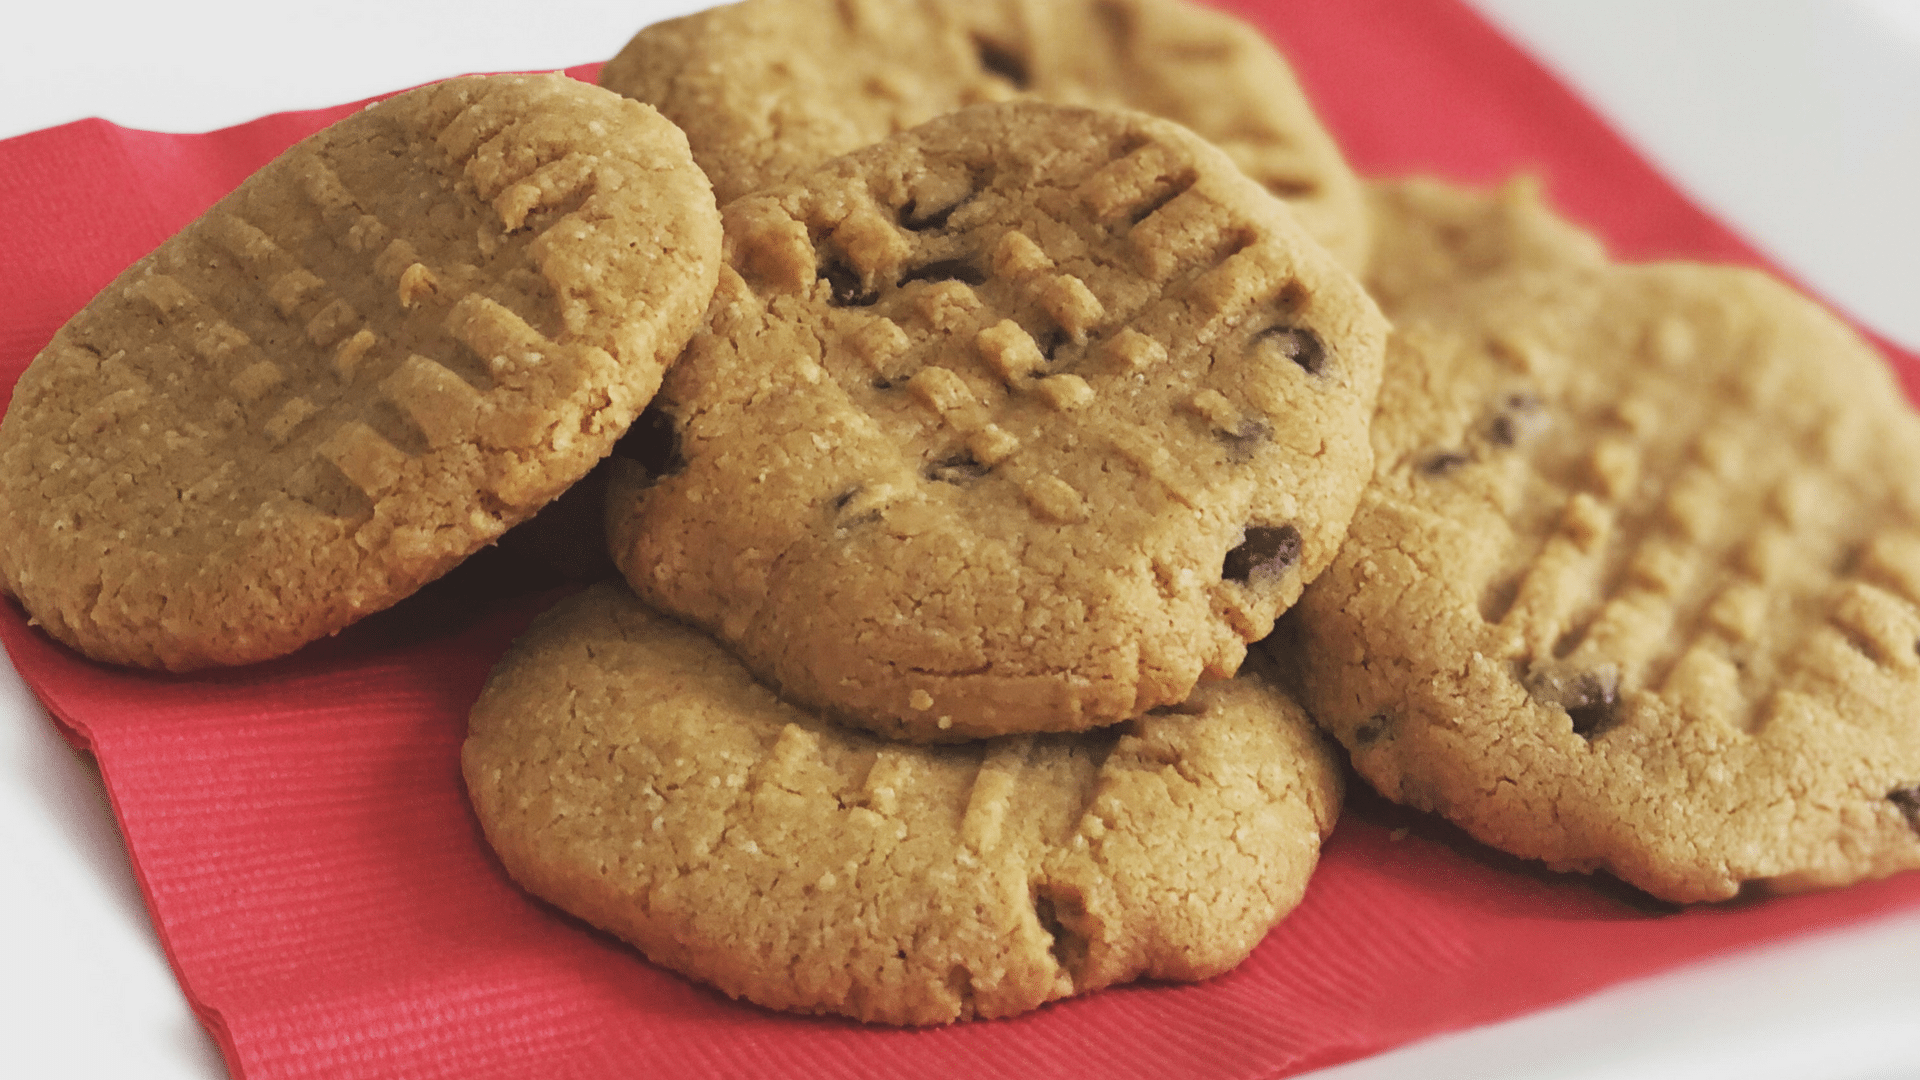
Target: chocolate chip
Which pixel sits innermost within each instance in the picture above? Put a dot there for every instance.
(847, 288)
(1003, 62)
(957, 469)
(1295, 343)
(653, 441)
(1590, 698)
(1267, 552)
(912, 219)
(1375, 726)
(1520, 417)
(1442, 462)
(1908, 800)
(1590, 721)
(946, 270)
(1243, 440)
(841, 501)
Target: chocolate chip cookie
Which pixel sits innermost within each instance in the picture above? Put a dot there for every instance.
(1025, 420)
(1636, 585)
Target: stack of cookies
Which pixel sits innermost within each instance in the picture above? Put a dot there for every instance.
(1032, 362)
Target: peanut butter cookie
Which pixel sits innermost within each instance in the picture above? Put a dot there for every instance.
(1024, 420)
(629, 770)
(399, 338)
(768, 89)
(1636, 586)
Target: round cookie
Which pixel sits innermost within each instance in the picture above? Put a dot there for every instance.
(1024, 420)
(397, 339)
(769, 89)
(1636, 586)
(629, 770)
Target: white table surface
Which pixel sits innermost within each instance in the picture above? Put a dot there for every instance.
(1798, 121)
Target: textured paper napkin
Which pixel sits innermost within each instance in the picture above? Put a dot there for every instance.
(303, 841)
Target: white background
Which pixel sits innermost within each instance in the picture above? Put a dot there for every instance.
(1798, 121)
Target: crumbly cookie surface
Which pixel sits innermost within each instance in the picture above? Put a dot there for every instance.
(397, 339)
(769, 89)
(629, 770)
(1637, 582)
(1024, 420)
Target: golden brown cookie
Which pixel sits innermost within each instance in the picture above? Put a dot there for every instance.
(769, 89)
(399, 338)
(1636, 586)
(629, 770)
(1024, 420)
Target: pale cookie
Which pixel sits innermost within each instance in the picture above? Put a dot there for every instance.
(1636, 586)
(399, 338)
(629, 770)
(769, 89)
(1025, 420)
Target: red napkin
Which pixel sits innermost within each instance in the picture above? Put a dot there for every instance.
(302, 837)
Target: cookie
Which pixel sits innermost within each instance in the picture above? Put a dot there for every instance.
(629, 770)
(769, 89)
(1636, 586)
(1025, 420)
(396, 340)
(1434, 238)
